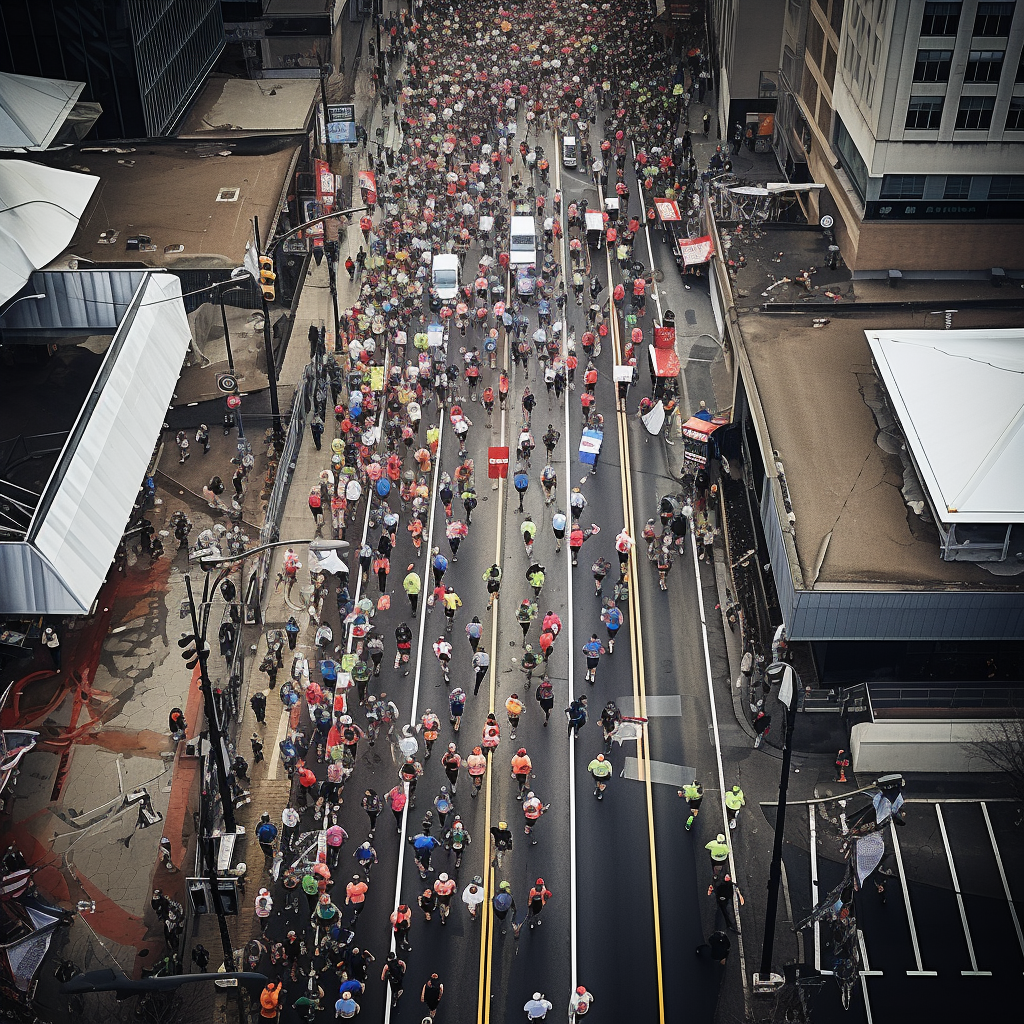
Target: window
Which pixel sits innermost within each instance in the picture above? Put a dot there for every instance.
(984, 65)
(932, 65)
(975, 113)
(850, 158)
(924, 113)
(958, 186)
(940, 19)
(1007, 186)
(903, 186)
(835, 17)
(1019, 77)
(993, 19)
(1015, 114)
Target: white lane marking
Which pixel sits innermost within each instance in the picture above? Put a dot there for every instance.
(718, 755)
(910, 910)
(1002, 875)
(813, 827)
(959, 897)
(864, 959)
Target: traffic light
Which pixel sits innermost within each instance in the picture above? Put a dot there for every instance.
(267, 278)
(198, 894)
(190, 651)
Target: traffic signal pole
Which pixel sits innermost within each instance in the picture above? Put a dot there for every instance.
(275, 408)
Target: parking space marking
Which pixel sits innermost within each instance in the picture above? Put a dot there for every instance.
(864, 958)
(959, 897)
(910, 910)
(1002, 875)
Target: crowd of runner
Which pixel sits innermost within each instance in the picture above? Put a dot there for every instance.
(475, 91)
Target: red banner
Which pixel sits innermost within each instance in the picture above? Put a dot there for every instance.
(368, 183)
(696, 250)
(668, 209)
(324, 183)
(497, 463)
(664, 337)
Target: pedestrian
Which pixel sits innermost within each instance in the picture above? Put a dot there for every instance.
(693, 793)
(473, 896)
(733, 802)
(201, 957)
(412, 585)
(545, 697)
(431, 994)
(476, 766)
(576, 713)
(537, 1007)
(176, 724)
(601, 770)
(266, 833)
(723, 898)
(52, 643)
(258, 703)
(502, 903)
(718, 850)
(316, 428)
(268, 1000)
(401, 922)
(706, 123)
(264, 906)
(289, 824)
(842, 763)
(592, 649)
(291, 629)
(579, 1003)
(257, 749)
(718, 945)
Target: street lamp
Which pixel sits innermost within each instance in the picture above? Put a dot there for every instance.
(764, 980)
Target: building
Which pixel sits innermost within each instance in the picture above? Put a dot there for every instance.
(141, 61)
(912, 114)
(870, 496)
(747, 35)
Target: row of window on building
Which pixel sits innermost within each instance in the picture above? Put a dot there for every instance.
(974, 113)
(943, 19)
(981, 187)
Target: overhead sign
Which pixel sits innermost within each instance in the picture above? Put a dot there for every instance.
(341, 132)
(227, 383)
(341, 112)
(497, 463)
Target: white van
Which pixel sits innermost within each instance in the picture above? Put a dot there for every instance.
(523, 242)
(444, 276)
(570, 151)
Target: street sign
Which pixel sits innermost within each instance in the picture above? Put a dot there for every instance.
(227, 383)
(341, 112)
(497, 463)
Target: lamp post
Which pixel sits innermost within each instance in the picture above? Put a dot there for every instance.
(764, 980)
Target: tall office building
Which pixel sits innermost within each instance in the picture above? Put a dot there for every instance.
(912, 114)
(142, 60)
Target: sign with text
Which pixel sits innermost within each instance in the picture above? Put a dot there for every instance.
(341, 132)
(341, 112)
(497, 463)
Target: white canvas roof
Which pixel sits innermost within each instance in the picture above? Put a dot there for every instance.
(32, 110)
(959, 397)
(40, 208)
(60, 566)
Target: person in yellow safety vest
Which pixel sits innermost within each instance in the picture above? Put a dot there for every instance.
(733, 802)
(601, 769)
(718, 849)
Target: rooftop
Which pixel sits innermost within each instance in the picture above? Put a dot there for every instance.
(200, 197)
(240, 106)
(815, 385)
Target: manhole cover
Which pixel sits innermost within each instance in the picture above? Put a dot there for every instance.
(691, 316)
(143, 952)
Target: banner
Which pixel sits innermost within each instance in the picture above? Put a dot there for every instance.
(590, 446)
(696, 250)
(368, 183)
(497, 462)
(668, 209)
(324, 183)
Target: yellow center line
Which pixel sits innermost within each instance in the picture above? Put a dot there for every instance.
(636, 636)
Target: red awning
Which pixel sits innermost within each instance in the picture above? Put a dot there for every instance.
(665, 361)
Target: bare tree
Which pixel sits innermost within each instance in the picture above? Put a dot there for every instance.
(1002, 748)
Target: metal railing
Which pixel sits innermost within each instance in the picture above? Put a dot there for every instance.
(953, 696)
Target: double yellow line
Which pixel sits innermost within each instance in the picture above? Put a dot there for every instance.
(636, 632)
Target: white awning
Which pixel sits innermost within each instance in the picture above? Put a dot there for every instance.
(959, 397)
(40, 208)
(33, 110)
(81, 516)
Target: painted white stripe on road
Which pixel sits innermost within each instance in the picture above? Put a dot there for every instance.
(1002, 875)
(275, 754)
(813, 827)
(910, 910)
(959, 896)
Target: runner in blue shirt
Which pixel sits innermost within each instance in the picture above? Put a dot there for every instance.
(593, 649)
(611, 616)
(439, 565)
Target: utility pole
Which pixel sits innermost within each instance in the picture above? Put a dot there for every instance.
(227, 336)
(275, 409)
(765, 981)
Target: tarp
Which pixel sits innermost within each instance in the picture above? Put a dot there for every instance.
(368, 181)
(40, 208)
(665, 361)
(959, 399)
(33, 110)
(700, 430)
(75, 530)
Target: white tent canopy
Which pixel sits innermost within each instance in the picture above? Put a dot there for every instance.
(33, 110)
(40, 208)
(959, 397)
(60, 566)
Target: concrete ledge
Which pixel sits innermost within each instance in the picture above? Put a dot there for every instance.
(919, 746)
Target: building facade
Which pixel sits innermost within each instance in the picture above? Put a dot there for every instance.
(911, 112)
(142, 61)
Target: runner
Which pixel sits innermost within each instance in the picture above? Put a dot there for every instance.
(502, 836)
(592, 649)
(514, 709)
(476, 766)
(539, 896)
(522, 766)
(456, 706)
(601, 770)
(443, 653)
(533, 808)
